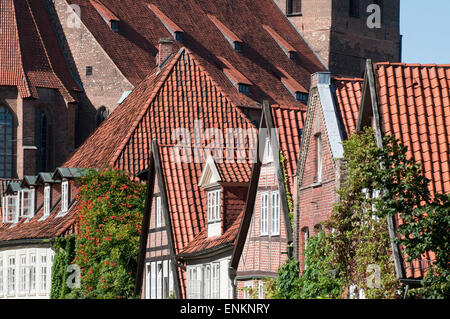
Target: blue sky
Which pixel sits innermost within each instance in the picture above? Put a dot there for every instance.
(425, 26)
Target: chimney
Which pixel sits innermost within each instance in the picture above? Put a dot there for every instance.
(165, 51)
(320, 78)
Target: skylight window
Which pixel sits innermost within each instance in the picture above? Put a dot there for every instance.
(302, 97)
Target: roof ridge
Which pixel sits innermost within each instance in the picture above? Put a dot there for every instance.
(349, 79)
(411, 64)
(289, 107)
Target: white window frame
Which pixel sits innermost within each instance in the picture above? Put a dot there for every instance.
(43, 274)
(47, 200)
(207, 282)
(64, 196)
(158, 212)
(215, 280)
(260, 290)
(28, 203)
(275, 213)
(247, 287)
(268, 152)
(264, 214)
(32, 275)
(11, 202)
(318, 138)
(214, 203)
(23, 274)
(11, 275)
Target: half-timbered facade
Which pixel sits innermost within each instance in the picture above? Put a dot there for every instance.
(265, 236)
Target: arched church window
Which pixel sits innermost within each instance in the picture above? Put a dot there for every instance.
(41, 140)
(102, 114)
(6, 142)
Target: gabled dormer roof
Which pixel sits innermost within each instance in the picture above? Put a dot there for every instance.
(46, 178)
(68, 173)
(28, 181)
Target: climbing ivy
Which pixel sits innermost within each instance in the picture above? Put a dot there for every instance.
(286, 185)
(64, 248)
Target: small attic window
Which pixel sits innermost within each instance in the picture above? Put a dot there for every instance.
(292, 56)
(179, 36)
(301, 96)
(238, 46)
(115, 25)
(88, 70)
(244, 88)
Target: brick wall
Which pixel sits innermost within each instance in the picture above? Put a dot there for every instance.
(315, 199)
(263, 255)
(343, 42)
(106, 84)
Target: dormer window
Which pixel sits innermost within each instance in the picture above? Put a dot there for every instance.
(47, 200)
(114, 25)
(288, 49)
(10, 209)
(64, 196)
(244, 88)
(236, 78)
(229, 35)
(214, 217)
(27, 203)
(174, 29)
(302, 97)
(238, 46)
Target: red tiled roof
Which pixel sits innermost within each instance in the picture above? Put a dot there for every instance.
(290, 82)
(348, 97)
(235, 172)
(104, 11)
(29, 51)
(51, 227)
(202, 243)
(289, 121)
(414, 106)
(232, 73)
(279, 39)
(182, 93)
(174, 98)
(223, 28)
(134, 47)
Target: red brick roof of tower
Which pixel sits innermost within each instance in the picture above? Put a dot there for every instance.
(414, 106)
(29, 51)
(134, 47)
(348, 97)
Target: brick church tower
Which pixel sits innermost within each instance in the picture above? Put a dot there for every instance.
(38, 96)
(343, 34)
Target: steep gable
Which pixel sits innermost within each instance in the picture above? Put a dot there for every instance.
(29, 52)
